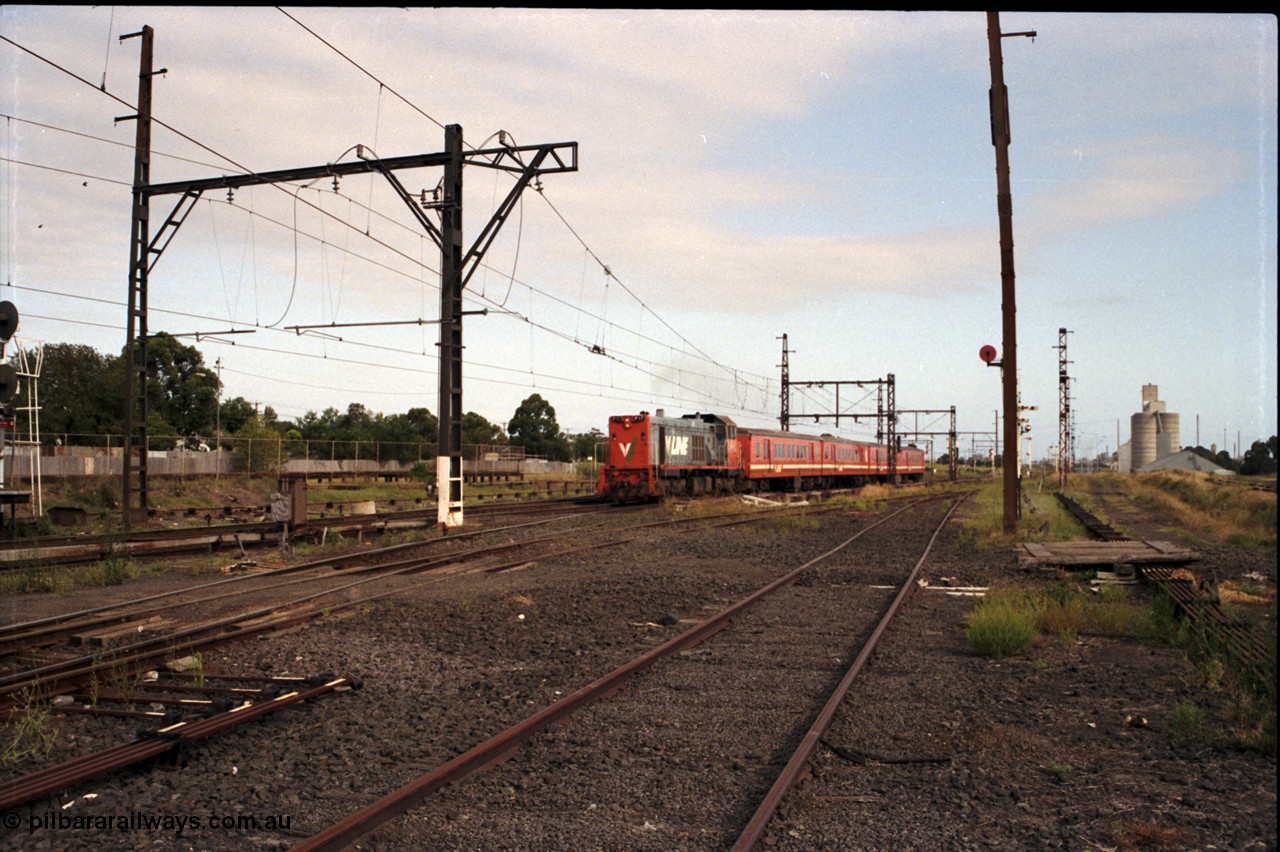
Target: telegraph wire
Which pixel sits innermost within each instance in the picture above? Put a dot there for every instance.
(695, 393)
(361, 68)
(104, 139)
(573, 383)
(609, 274)
(474, 297)
(65, 171)
(245, 170)
(604, 266)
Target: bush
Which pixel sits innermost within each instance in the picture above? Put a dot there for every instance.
(1187, 724)
(1001, 624)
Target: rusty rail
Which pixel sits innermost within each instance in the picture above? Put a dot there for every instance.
(168, 740)
(792, 772)
(346, 832)
(1090, 521)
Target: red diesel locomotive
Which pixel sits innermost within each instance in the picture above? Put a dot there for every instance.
(653, 456)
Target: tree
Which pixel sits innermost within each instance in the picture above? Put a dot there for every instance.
(534, 427)
(478, 431)
(234, 413)
(426, 425)
(400, 437)
(80, 392)
(584, 445)
(1260, 459)
(258, 447)
(1221, 458)
(179, 387)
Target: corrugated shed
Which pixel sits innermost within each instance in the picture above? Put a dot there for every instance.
(1185, 460)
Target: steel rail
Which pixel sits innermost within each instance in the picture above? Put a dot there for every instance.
(813, 737)
(338, 560)
(11, 643)
(66, 673)
(67, 550)
(1090, 521)
(496, 749)
(165, 740)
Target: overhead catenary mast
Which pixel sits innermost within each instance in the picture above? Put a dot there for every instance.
(458, 263)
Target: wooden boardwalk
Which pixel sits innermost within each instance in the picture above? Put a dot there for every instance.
(1089, 553)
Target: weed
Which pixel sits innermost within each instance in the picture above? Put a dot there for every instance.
(1112, 614)
(197, 668)
(465, 603)
(1238, 516)
(112, 570)
(1059, 771)
(791, 523)
(32, 732)
(36, 578)
(1187, 724)
(1060, 612)
(1043, 519)
(1001, 624)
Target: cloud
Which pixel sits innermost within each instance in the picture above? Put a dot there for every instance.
(1129, 181)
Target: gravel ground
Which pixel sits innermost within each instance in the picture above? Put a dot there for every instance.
(934, 748)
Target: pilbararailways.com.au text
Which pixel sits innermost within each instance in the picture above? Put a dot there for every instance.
(174, 824)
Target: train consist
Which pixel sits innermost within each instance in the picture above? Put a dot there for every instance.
(653, 456)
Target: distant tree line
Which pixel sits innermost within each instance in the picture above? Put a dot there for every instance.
(1259, 459)
(82, 394)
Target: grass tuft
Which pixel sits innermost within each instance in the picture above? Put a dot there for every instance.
(1001, 624)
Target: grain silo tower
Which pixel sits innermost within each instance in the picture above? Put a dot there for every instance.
(1154, 430)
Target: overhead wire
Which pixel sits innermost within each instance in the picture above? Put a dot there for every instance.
(577, 236)
(297, 191)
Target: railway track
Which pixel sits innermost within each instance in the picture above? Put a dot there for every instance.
(56, 654)
(1196, 601)
(82, 675)
(49, 551)
(161, 626)
(789, 651)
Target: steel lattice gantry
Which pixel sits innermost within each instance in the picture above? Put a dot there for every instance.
(458, 264)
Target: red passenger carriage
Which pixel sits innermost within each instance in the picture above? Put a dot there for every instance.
(653, 455)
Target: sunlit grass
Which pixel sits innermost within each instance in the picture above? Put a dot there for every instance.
(1043, 518)
(1221, 511)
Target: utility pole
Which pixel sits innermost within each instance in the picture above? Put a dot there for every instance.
(1065, 453)
(449, 451)
(884, 433)
(784, 417)
(217, 429)
(1000, 138)
(134, 463)
(950, 434)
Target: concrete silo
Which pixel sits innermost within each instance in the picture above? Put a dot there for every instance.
(1167, 434)
(1155, 432)
(1142, 443)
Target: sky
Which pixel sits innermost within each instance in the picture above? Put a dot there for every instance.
(742, 175)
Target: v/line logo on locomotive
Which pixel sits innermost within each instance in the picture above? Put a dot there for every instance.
(678, 446)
